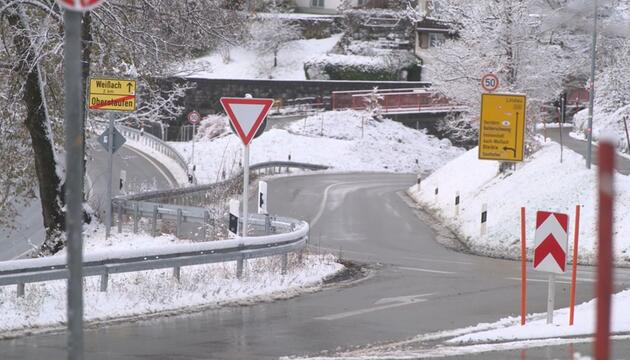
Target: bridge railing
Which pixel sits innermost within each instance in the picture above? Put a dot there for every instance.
(156, 144)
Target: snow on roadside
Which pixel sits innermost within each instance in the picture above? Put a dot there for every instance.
(246, 64)
(331, 138)
(510, 328)
(540, 183)
(605, 123)
(147, 293)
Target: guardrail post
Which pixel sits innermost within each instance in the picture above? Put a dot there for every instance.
(239, 267)
(120, 216)
(267, 224)
(155, 219)
(178, 225)
(177, 273)
(136, 217)
(206, 224)
(285, 262)
(104, 281)
(20, 289)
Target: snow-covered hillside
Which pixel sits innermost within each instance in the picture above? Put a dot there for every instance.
(541, 183)
(335, 139)
(246, 64)
(605, 123)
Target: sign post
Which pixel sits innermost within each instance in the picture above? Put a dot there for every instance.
(73, 126)
(246, 115)
(193, 118)
(550, 250)
(502, 127)
(112, 95)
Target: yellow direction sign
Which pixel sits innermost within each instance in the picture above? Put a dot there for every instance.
(112, 94)
(502, 127)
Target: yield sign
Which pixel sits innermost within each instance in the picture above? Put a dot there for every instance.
(246, 115)
(551, 242)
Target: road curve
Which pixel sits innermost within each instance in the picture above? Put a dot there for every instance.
(143, 173)
(419, 286)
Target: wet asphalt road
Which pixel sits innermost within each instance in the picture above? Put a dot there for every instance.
(418, 286)
(143, 173)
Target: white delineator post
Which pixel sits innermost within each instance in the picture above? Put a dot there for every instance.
(457, 199)
(484, 219)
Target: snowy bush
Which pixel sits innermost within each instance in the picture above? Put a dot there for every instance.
(356, 67)
(212, 126)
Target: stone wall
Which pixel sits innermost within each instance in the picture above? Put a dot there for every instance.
(205, 98)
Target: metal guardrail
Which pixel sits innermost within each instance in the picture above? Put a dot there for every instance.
(156, 144)
(158, 205)
(293, 237)
(21, 272)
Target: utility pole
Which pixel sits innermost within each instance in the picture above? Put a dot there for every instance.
(589, 129)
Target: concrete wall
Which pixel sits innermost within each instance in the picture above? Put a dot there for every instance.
(205, 98)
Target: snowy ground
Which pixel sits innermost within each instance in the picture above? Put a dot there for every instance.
(540, 183)
(505, 334)
(331, 138)
(150, 293)
(605, 123)
(246, 64)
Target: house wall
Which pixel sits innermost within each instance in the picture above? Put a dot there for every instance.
(330, 6)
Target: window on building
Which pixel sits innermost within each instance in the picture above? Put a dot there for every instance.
(317, 3)
(362, 2)
(436, 39)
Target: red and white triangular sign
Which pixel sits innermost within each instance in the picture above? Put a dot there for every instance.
(246, 115)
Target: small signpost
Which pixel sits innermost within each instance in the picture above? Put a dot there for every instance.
(490, 82)
(193, 118)
(119, 140)
(550, 250)
(73, 127)
(502, 127)
(246, 115)
(113, 95)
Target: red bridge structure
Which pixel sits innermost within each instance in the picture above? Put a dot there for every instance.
(396, 101)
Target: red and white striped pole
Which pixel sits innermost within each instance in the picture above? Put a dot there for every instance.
(606, 154)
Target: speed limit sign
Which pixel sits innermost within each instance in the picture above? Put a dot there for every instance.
(194, 117)
(490, 82)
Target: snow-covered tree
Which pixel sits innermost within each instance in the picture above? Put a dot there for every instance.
(511, 39)
(121, 38)
(271, 32)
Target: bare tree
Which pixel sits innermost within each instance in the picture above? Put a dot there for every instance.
(144, 39)
(271, 32)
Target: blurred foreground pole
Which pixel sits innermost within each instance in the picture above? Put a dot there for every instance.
(74, 179)
(604, 255)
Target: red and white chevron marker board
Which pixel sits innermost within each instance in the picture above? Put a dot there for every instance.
(550, 241)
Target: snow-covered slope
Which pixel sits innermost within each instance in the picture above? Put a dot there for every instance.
(246, 64)
(541, 183)
(332, 138)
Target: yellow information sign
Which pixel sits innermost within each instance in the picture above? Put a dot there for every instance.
(112, 94)
(502, 127)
